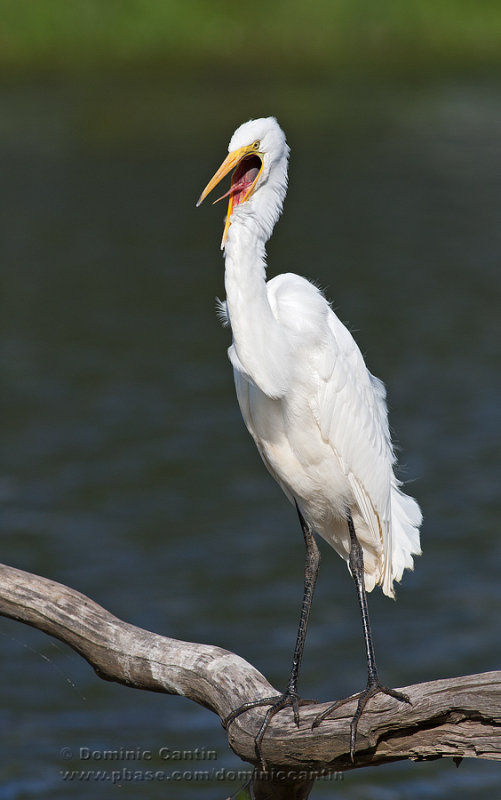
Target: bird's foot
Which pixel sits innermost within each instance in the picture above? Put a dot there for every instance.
(373, 687)
(276, 703)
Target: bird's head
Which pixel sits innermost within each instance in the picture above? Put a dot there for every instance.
(258, 155)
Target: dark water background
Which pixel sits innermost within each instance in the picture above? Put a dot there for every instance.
(126, 471)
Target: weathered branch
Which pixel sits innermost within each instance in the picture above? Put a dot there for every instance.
(455, 717)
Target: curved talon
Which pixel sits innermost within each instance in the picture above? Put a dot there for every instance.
(363, 697)
(247, 707)
(333, 707)
(276, 703)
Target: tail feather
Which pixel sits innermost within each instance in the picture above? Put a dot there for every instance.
(406, 519)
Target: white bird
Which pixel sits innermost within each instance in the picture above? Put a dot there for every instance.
(317, 415)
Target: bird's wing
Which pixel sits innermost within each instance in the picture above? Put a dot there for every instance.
(350, 410)
(347, 402)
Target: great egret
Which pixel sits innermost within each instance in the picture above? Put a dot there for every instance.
(317, 415)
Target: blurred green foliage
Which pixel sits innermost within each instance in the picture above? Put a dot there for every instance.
(420, 35)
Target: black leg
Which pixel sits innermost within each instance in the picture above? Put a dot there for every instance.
(374, 686)
(311, 564)
(357, 570)
(290, 697)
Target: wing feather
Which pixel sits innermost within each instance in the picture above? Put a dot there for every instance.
(350, 411)
(348, 406)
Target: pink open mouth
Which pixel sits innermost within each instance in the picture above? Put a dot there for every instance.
(243, 179)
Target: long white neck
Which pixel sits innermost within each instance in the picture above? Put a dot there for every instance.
(261, 347)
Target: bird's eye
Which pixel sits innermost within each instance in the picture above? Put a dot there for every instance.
(256, 145)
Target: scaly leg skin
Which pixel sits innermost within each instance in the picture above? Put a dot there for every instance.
(373, 684)
(276, 703)
(373, 687)
(290, 697)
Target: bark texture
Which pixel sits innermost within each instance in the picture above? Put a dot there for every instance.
(453, 717)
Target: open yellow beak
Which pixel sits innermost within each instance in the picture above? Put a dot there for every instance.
(247, 163)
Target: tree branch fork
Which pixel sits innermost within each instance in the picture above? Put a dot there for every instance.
(454, 717)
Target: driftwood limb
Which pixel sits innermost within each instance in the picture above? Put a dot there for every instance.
(455, 717)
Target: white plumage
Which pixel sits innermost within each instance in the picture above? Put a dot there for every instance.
(317, 415)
